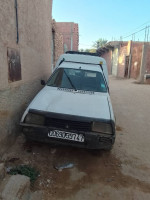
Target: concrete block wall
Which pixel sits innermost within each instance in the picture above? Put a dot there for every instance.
(34, 46)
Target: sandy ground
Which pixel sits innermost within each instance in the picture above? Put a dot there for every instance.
(123, 173)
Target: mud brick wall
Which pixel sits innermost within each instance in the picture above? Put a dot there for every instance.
(58, 46)
(136, 53)
(148, 60)
(123, 52)
(58, 42)
(108, 57)
(31, 56)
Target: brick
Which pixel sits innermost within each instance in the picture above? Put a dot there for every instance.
(66, 28)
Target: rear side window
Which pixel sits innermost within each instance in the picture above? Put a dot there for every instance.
(78, 79)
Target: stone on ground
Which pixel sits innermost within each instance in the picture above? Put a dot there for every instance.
(38, 195)
(2, 171)
(17, 188)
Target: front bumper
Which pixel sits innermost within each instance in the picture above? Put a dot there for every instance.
(93, 140)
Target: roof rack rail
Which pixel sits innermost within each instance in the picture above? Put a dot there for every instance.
(82, 53)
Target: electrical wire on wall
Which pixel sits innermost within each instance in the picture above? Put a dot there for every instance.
(16, 10)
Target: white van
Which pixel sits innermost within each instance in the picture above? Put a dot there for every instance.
(74, 107)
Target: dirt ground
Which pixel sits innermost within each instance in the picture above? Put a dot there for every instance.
(123, 173)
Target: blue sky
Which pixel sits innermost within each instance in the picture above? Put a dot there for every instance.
(104, 19)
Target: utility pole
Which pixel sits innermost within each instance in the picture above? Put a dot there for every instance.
(145, 34)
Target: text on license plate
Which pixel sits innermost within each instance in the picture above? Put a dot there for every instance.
(66, 135)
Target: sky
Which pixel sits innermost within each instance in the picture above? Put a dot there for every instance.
(109, 19)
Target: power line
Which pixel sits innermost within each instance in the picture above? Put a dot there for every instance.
(136, 32)
(142, 25)
(139, 26)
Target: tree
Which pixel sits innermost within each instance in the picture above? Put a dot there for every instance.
(88, 50)
(81, 50)
(92, 50)
(99, 43)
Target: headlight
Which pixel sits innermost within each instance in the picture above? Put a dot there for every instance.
(34, 119)
(102, 127)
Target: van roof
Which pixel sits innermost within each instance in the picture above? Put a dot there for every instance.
(82, 53)
(96, 68)
(78, 58)
(84, 59)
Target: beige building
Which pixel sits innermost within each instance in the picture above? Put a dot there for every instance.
(25, 59)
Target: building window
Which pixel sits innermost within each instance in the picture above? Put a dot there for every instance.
(14, 65)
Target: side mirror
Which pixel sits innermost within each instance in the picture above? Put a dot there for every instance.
(43, 82)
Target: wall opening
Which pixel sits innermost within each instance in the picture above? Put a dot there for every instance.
(126, 66)
(14, 65)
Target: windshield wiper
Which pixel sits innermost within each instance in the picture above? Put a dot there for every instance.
(70, 81)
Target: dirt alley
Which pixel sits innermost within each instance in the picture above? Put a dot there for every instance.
(123, 173)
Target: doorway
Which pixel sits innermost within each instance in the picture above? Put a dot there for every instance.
(126, 66)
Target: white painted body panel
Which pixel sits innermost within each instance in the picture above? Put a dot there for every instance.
(50, 99)
(96, 105)
(85, 59)
(96, 68)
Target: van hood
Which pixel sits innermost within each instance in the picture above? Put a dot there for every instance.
(88, 104)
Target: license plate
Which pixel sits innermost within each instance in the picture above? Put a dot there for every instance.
(66, 135)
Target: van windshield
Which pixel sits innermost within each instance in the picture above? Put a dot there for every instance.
(78, 79)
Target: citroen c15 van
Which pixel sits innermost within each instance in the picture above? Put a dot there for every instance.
(74, 107)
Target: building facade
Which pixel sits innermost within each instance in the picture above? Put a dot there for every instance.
(70, 33)
(25, 59)
(57, 44)
(127, 59)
